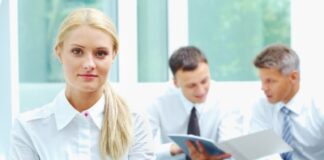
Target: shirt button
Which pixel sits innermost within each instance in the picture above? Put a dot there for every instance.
(86, 114)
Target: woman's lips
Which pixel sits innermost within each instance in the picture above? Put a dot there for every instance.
(88, 76)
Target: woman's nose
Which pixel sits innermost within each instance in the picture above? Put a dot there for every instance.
(89, 63)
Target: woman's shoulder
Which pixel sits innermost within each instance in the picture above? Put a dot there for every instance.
(37, 113)
(41, 112)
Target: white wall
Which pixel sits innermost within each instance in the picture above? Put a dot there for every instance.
(307, 31)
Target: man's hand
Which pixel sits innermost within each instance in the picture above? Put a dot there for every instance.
(201, 154)
(175, 150)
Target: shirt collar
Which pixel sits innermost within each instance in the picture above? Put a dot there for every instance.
(188, 105)
(294, 105)
(65, 112)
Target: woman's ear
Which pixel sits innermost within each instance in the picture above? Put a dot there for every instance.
(58, 51)
(114, 55)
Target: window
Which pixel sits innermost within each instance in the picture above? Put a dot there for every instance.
(232, 32)
(152, 41)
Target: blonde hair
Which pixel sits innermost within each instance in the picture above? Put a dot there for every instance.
(90, 17)
(116, 131)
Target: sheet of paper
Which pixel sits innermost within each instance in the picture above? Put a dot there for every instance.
(255, 145)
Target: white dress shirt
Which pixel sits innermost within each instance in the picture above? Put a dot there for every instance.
(170, 115)
(57, 131)
(307, 123)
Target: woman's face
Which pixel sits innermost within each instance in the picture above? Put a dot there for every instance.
(86, 55)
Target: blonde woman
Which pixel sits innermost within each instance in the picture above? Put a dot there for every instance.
(87, 120)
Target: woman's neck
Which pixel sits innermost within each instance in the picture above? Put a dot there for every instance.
(82, 100)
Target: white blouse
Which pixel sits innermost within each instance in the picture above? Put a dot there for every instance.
(57, 131)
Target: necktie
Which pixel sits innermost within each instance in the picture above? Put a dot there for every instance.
(286, 132)
(193, 126)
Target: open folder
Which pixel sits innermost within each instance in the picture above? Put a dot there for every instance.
(248, 147)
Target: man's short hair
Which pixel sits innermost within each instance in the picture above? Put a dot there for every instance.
(186, 59)
(278, 56)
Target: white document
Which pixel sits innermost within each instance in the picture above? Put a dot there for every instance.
(249, 147)
(255, 145)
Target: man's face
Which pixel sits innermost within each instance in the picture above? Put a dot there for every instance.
(194, 84)
(276, 86)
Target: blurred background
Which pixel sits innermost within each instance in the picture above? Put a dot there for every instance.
(229, 32)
